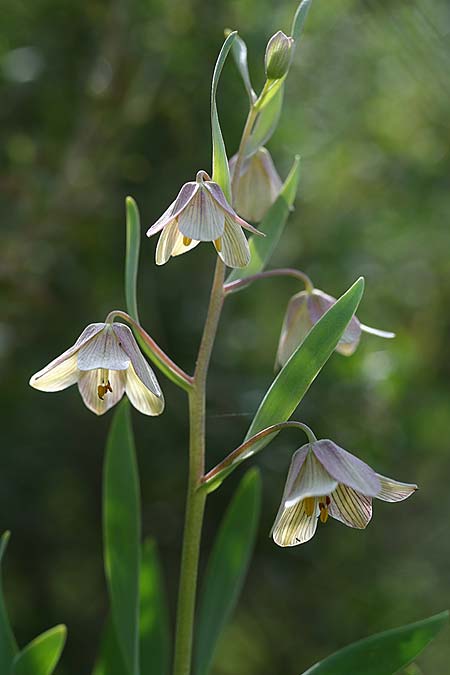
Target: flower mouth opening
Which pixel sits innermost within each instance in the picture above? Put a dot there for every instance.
(105, 386)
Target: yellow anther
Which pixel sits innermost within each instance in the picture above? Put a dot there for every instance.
(186, 241)
(103, 388)
(323, 513)
(218, 244)
(310, 504)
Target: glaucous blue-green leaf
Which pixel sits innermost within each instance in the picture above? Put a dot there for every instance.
(110, 659)
(273, 223)
(8, 647)
(239, 52)
(383, 653)
(295, 378)
(132, 257)
(299, 19)
(41, 656)
(221, 173)
(122, 530)
(154, 625)
(227, 567)
(267, 119)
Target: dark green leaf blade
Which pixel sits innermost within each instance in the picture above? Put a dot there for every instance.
(8, 647)
(155, 638)
(132, 257)
(109, 660)
(384, 653)
(227, 567)
(122, 529)
(295, 378)
(41, 656)
(262, 248)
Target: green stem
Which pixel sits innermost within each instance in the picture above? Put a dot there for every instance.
(195, 502)
(232, 286)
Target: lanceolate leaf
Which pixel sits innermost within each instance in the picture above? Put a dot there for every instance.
(132, 257)
(221, 173)
(295, 378)
(122, 528)
(8, 647)
(300, 18)
(239, 51)
(154, 624)
(41, 656)
(262, 248)
(384, 653)
(227, 567)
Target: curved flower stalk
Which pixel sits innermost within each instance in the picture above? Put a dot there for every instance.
(201, 213)
(303, 311)
(106, 362)
(257, 186)
(325, 480)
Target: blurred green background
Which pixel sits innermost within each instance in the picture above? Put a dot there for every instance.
(105, 99)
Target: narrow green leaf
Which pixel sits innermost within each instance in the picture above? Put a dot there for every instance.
(132, 257)
(299, 19)
(110, 660)
(122, 527)
(227, 567)
(267, 121)
(384, 653)
(295, 378)
(41, 656)
(155, 639)
(221, 173)
(262, 248)
(8, 647)
(239, 52)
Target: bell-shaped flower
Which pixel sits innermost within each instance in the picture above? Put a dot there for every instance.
(303, 311)
(257, 185)
(106, 362)
(325, 480)
(201, 213)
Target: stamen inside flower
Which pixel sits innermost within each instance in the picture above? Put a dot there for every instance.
(186, 241)
(310, 504)
(218, 244)
(105, 386)
(323, 507)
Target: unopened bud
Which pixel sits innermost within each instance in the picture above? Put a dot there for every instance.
(279, 52)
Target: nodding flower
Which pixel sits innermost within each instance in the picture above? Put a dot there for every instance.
(105, 362)
(201, 213)
(257, 185)
(325, 480)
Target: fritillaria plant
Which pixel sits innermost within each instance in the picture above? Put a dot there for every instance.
(242, 197)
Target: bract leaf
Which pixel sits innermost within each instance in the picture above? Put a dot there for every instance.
(384, 653)
(239, 52)
(8, 646)
(41, 656)
(132, 257)
(122, 529)
(227, 567)
(154, 625)
(273, 223)
(221, 173)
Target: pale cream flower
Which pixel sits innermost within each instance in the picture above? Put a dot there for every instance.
(106, 362)
(326, 480)
(201, 213)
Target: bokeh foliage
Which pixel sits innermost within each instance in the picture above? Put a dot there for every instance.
(105, 99)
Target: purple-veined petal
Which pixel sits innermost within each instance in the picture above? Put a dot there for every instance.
(394, 491)
(58, 377)
(293, 526)
(350, 507)
(103, 351)
(234, 246)
(217, 194)
(166, 242)
(162, 221)
(202, 219)
(313, 480)
(296, 326)
(140, 395)
(257, 186)
(319, 303)
(88, 383)
(180, 247)
(143, 371)
(297, 461)
(184, 196)
(346, 468)
(44, 378)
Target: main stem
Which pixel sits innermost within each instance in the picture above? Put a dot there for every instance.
(195, 501)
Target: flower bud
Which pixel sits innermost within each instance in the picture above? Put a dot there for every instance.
(279, 52)
(257, 186)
